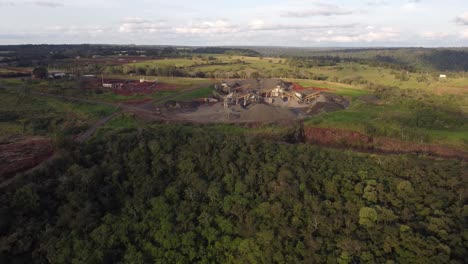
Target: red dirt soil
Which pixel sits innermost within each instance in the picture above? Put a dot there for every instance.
(298, 87)
(355, 140)
(19, 70)
(23, 154)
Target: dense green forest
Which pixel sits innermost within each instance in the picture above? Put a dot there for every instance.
(192, 194)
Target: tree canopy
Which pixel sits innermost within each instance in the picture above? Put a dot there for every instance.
(185, 194)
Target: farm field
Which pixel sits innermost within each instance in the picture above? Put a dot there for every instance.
(359, 75)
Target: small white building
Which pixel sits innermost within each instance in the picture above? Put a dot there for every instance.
(443, 76)
(57, 75)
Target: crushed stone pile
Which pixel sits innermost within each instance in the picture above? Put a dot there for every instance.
(327, 102)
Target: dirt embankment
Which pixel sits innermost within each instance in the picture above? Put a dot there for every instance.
(23, 154)
(355, 140)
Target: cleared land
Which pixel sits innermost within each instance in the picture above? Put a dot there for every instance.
(31, 115)
(370, 112)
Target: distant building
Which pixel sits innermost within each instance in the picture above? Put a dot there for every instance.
(57, 75)
(443, 76)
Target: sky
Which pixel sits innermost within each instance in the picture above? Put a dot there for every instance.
(301, 23)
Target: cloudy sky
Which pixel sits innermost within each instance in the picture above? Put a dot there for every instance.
(308, 23)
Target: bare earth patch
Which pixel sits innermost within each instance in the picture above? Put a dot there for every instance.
(23, 153)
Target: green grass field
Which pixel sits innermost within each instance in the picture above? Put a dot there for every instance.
(390, 120)
(196, 94)
(358, 74)
(37, 115)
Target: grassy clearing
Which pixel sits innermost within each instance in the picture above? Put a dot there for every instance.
(123, 121)
(185, 82)
(390, 120)
(180, 82)
(196, 94)
(11, 81)
(36, 115)
(338, 88)
(117, 98)
(120, 122)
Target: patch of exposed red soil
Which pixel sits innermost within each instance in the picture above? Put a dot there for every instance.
(23, 154)
(15, 73)
(355, 140)
(19, 70)
(298, 87)
(451, 89)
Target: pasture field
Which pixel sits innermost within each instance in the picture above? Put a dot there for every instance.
(361, 75)
(195, 94)
(399, 121)
(177, 62)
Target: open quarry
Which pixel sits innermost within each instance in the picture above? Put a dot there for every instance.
(257, 100)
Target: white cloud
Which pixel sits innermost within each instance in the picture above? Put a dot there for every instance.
(7, 3)
(462, 19)
(258, 25)
(464, 34)
(320, 9)
(78, 30)
(41, 3)
(377, 3)
(410, 5)
(208, 28)
(140, 25)
(434, 35)
(376, 35)
(48, 3)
